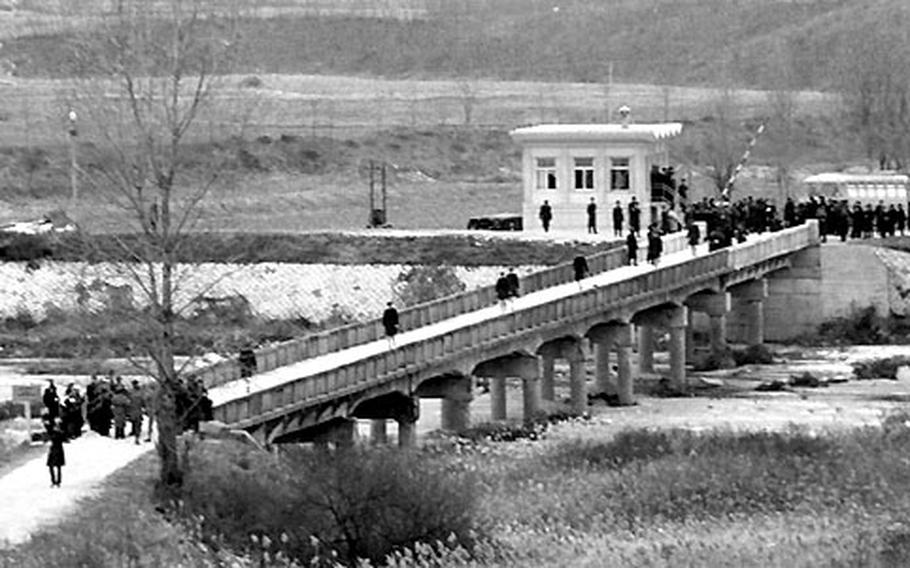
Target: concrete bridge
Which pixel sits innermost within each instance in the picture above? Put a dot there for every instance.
(616, 311)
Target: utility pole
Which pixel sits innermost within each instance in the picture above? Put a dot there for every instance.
(73, 132)
(608, 88)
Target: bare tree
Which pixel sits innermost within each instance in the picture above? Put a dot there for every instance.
(782, 109)
(874, 82)
(143, 83)
(718, 145)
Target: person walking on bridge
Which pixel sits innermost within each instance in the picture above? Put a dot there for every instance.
(655, 245)
(503, 290)
(390, 323)
(694, 237)
(632, 249)
(580, 268)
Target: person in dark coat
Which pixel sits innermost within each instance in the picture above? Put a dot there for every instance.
(51, 400)
(91, 403)
(655, 245)
(71, 412)
(390, 322)
(514, 286)
(634, 217)
(56, 457)
(195, 393)
(502, 289)
(546, 215)
(693, 235)
(580, 268)
(900, 219)
(632, 249)
(120, 404)
(592, 216)
(617, 219)
(135, 410)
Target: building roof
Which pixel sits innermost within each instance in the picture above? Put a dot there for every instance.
(838, 177)
(597, 132)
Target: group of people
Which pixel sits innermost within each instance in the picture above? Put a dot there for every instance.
(506, 287)
(109, 402)
(632, 213)
(839, 218)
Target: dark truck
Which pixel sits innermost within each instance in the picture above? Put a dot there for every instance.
(496, 222)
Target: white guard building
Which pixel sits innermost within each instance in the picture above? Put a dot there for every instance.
(568, 164)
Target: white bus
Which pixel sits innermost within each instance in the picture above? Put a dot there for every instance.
(889, 188)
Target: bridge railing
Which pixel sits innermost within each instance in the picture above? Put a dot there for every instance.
(774, 244)
(314, 345)
(355, 376)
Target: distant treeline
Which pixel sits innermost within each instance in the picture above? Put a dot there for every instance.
(753, 43)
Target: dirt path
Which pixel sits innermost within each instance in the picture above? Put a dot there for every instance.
(29, 501)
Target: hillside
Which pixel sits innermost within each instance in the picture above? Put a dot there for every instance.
(693, 42)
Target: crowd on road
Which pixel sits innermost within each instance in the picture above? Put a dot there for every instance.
(109, 403)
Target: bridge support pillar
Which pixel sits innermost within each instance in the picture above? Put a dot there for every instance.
(602, 373)
(678, 328)
(340, 432)
(547, 385)
(645, 348)
(530, 397)
(624, 387)
(407, 432)
(498, 398)
(577, 392)
(753, 298)
(690, 336)
(379, 435)
(716, 306)
(456, 407)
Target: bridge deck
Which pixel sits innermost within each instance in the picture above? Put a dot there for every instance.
(264, 381)
(285, 396)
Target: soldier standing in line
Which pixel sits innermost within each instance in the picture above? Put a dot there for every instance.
(592, 216)
(634, 217)
(617, 219)
(546, 215)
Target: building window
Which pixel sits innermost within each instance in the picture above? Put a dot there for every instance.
(546, 173)
(619, 173)
(584, 173)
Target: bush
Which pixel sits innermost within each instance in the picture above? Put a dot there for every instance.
(350, 504)
(753, 355)
(880, 368)
(420, 284)
(863, 327)
(21, 247)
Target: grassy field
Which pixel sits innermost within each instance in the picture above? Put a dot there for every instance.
(641, 498)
